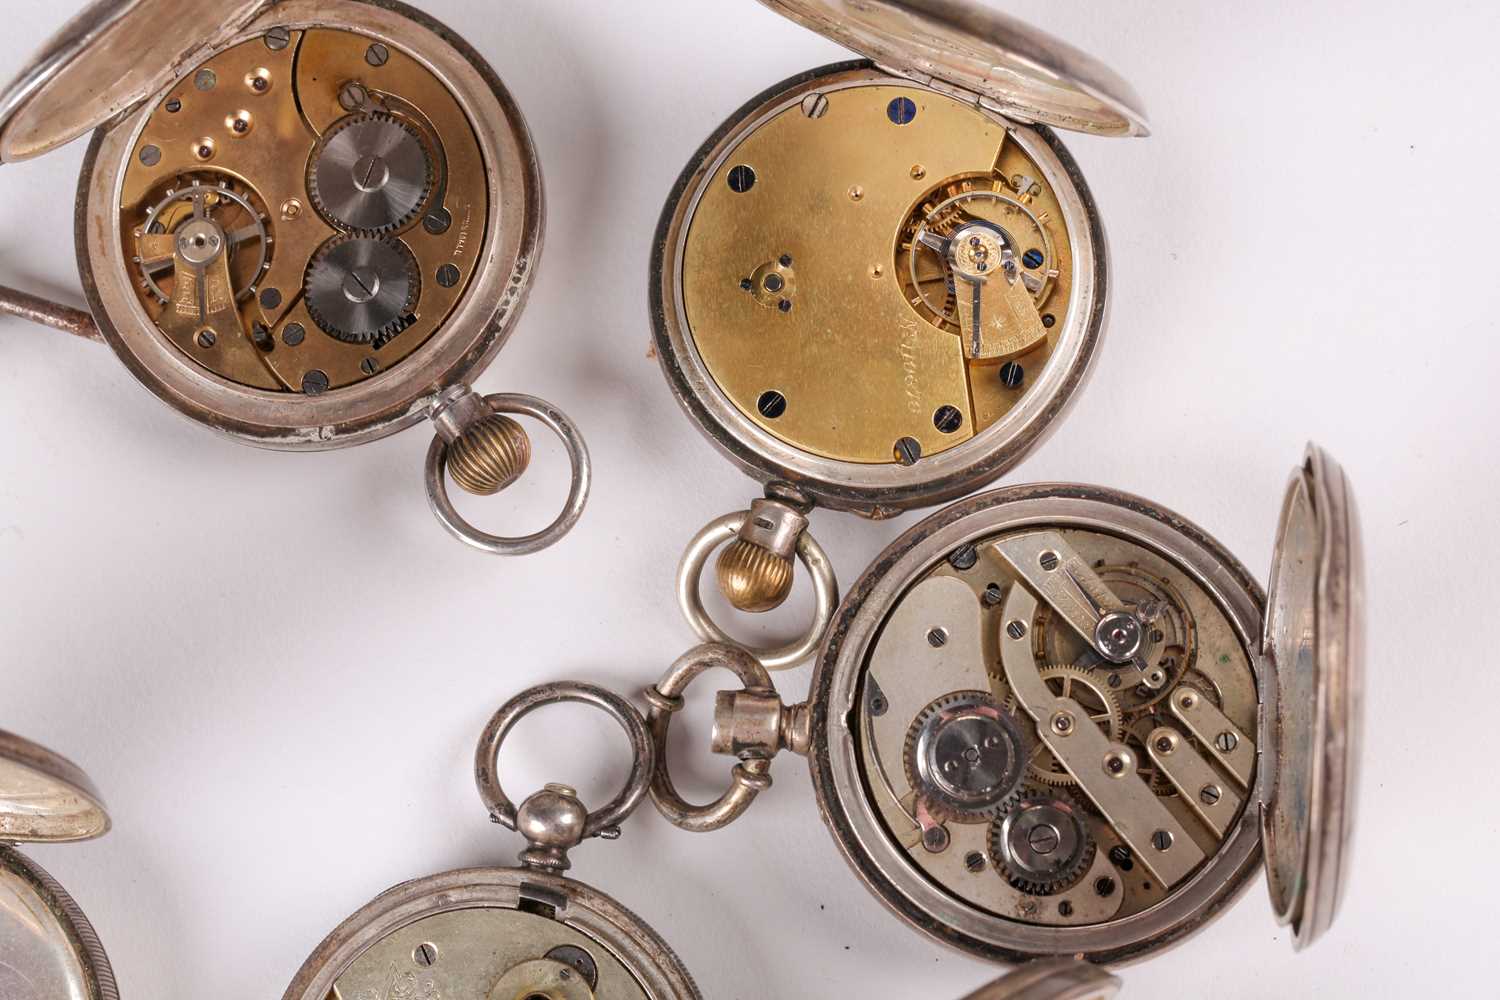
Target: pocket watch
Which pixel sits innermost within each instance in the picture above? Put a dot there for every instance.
(525, 933)
(1059, 720)
(880, 284)
(48, 948)
(308, 230)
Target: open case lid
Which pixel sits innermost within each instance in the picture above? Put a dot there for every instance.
(1314, 632)
(1018, 70)
(1052, 979)
(45, 799)
(110, 57)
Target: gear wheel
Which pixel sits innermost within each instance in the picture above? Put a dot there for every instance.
(1041, 842)
(371, 173)
(362, 290)
(964, 756)
(1171, 632)
(1099, 702)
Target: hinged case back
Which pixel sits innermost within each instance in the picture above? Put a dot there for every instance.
(1014, 68)
(110, 57)
(45, 799)
(1314, 633)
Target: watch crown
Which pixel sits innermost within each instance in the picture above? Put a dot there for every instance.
(489, 455)
(752, 577)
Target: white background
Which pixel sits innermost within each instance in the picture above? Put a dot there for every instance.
(276, 666)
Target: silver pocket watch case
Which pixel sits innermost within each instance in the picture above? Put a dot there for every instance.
(306, 224)
(882, 282)
(48, 948)
(1058, 721)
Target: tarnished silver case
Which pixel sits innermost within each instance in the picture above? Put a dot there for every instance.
(96, 48)
(1309, 637)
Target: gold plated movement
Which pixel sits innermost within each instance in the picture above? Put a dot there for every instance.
(901, 263)
(302, 217)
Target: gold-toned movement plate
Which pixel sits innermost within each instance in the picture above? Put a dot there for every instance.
(282, 119)
(857, 366)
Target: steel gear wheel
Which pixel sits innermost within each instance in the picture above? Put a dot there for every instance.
(362, 290)
(1041, 843)
(1171, 630)
(1104, 711)
(965, 756)
(371, 173)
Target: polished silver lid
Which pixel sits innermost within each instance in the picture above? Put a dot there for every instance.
(1014, 68)
(45, 799)
(110, 57)
(1314, 632)
(1052, 979)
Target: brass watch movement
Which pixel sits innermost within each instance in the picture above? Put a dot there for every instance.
(310, 233)
(879, 284)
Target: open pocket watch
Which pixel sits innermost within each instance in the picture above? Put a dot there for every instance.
(526, 933)
(308, 226)
(879, 285)
(48, 949)
(1059, 720)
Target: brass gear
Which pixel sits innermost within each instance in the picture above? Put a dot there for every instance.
(1103, 708)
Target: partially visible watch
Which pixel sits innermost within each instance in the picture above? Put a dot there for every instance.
(48, 948)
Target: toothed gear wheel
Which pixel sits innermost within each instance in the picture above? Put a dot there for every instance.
(372, 173)
(362, 290)
(1171, 636)
(965, 756)
(1103, 710)
(1041, 842)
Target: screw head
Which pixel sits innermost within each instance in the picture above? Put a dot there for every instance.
(315, 382)
(207, 339)
(964, 557)
(278, 39)
(1012, 375)
(1209, 794)
(377, 55)
(1226, 741)
(150, 156)
(948, 419)
(1016, 630)
(935, 839)
(448, 275)
(1161, 840)
(937, 638)
(908, 450)
(425, 955)
(974, 861)
(369, 366)
(815, 105)
(293, 334)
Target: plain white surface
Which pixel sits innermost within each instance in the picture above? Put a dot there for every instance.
(276, 666)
